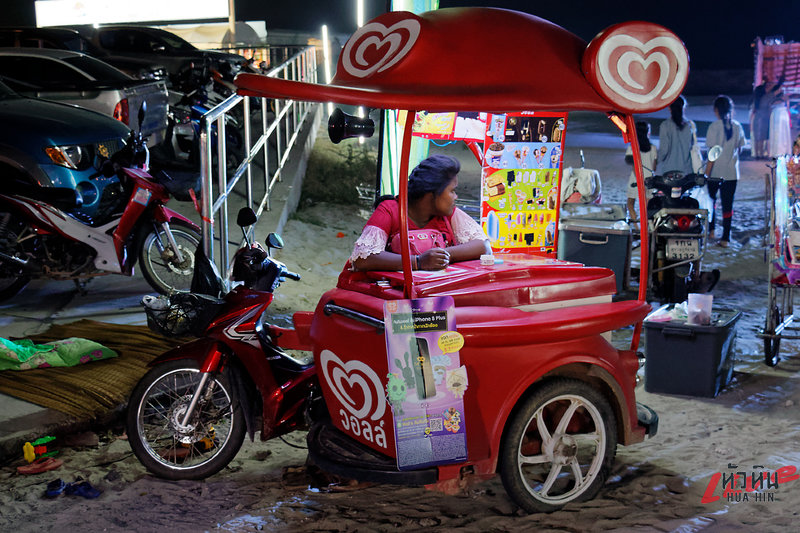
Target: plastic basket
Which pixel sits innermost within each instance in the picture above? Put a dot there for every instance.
(181, 314)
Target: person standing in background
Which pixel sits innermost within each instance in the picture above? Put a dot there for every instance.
(649, 153)
(759, 121)
(676, 136)
(728, 134)
(780, 135)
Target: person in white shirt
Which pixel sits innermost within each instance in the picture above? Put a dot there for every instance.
(728, 134)
(649, 153)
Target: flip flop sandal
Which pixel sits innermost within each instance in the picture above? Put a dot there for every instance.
(54, 488)
(81, 488)
(44, 464)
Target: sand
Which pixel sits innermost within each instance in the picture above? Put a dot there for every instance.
(657, 485)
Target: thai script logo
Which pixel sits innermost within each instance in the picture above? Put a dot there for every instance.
(375, 48)
(741, 485)
(620, 55)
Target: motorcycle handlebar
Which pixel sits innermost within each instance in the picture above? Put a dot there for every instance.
(292, 275)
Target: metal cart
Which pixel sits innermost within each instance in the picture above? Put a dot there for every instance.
(782, 257)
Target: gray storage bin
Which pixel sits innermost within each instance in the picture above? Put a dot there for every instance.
(687, 359)
(603, 243)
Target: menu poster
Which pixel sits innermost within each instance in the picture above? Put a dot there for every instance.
(520, 180)
(464, 125)
(426, 382)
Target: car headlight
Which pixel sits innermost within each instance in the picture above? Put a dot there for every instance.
(75, 157)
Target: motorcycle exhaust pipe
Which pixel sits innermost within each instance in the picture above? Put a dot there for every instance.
(24, 264)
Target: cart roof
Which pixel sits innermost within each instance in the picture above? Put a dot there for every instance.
(487, 59)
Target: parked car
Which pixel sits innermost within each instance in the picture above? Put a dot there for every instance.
(159, 46)
(69, 39)
(74, 78)
(55, 145)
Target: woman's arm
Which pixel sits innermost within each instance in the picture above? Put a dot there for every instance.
(469, 250)
(471, 241)
(433, 259)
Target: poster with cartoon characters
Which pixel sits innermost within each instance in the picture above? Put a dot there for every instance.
(520, 180)
(464, 125)
(426, 382)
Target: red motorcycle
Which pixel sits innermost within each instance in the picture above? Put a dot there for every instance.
(187, 417)
(42, 237)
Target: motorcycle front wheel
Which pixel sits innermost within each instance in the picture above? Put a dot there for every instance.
(160, 265)
(172, 448)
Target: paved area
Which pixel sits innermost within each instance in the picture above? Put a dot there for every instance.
(114, 299)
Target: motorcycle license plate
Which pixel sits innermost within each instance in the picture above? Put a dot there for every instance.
(683, 248)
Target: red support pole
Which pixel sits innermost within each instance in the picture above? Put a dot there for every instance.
(644, 248)
(405, 251)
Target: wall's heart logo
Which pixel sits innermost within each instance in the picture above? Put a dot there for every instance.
(641, 72)
(375, 48)
(346, 380)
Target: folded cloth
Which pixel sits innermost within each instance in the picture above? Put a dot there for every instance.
(25, 355)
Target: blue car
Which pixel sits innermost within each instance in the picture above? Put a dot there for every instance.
(58, 145)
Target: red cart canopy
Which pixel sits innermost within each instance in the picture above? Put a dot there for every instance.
(495, 60)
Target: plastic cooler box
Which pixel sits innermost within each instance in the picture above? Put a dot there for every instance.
(603, 243)
(689, 359)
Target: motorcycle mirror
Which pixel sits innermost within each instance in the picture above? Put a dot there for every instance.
(246, 217)
(343, 126)
(714, 152)
(274, 241)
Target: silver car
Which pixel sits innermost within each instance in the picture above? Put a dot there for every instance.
(74, 78)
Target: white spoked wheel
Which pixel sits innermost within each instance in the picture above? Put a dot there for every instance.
(165, 442)
(160, 265)
(559, 446)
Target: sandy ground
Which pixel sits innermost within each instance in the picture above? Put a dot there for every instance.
(655, 486)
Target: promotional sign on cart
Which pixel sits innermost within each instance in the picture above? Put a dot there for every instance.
(520, 180)
(426, 382)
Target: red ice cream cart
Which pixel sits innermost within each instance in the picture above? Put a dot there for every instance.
(536, 392)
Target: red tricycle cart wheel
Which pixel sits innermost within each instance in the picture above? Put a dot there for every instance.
(558, 447)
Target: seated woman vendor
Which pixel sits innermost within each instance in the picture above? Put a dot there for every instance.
(431, 206)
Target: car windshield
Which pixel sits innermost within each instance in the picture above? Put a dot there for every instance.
(175, 42)
(97, 69)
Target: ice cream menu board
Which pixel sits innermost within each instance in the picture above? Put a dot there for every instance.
(467, 126)
(520, 180)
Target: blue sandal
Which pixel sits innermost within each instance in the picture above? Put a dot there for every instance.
(54, 488)
(82, 488)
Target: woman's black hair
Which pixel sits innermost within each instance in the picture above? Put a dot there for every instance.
(724, 106)
(676, 112)
(433, 174)
(642, 135)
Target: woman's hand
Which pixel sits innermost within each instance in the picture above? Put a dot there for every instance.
(433, 259)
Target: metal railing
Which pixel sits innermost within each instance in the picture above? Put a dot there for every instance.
(278, 134)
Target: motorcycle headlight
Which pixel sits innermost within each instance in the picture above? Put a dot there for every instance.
(74, 157)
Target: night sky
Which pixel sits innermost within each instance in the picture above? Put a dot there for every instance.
(717, 35)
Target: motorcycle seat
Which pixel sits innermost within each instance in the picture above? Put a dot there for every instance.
(61, 197)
